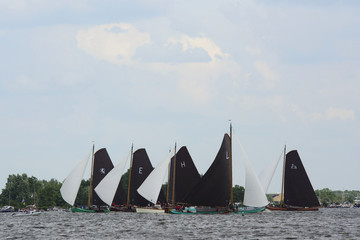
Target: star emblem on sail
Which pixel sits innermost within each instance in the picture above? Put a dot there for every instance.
(293, 166)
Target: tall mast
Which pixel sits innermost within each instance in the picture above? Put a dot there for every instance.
(173, 183)
(283, 178)
(231, 189)
(131, 161)
(91, 175)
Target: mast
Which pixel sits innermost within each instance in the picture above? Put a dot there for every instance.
(173, 183)
(128, 193)
(283, 177)
(168, 182)
(231, 189)
(91, 176)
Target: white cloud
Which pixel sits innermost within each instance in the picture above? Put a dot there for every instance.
(199, 42)
(342, 114)
(330, 114)
(116, 43)
(196, 80)
(271, 77)
(255, 51)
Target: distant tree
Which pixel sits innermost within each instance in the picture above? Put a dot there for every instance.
(238, 193)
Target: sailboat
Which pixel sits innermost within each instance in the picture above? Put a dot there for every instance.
(213, 193)
(100, 166)
(151, 187)
(183, 176)
(110, 190)
(255, 198)
(140, 168)
(297, 191)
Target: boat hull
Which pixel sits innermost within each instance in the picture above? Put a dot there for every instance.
(292, 209)
(122, 209)
(88, 210)
(150, 210)
(242, 210)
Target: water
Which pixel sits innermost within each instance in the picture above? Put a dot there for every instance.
(325, 224)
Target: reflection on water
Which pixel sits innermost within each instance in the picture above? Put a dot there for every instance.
(327, 223)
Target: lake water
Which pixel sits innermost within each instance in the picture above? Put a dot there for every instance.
(324, 224)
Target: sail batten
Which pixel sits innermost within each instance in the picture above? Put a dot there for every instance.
(71, 184)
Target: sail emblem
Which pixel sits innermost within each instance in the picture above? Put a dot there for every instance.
(227, 155)
(140, 170)
(102, 170)
(183, 164)
(293, 166)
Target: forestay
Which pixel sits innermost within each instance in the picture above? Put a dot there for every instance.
(267, 173)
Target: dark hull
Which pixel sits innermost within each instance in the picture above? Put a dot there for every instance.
(292, 209)
(122, 209)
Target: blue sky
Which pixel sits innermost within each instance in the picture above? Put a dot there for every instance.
(155, 72)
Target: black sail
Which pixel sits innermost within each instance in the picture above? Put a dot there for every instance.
(102, 166)
(214, 187)
(141, 168)
(298, 190)
(186, 176)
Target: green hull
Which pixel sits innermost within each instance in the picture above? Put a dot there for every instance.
(86, 210)
(240, 211)
(249, 210)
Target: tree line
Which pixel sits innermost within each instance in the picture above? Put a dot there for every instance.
(21, 191)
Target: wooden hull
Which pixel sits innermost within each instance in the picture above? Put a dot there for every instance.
(122, 209)
(292, 209)
(150, 210)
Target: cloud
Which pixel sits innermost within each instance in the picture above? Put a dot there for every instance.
(199, 42)
(116, 43)
(342, 114)
(329, 114)
(194, 64)
(271, 78)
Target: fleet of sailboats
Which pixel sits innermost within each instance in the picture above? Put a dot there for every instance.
(187, 192)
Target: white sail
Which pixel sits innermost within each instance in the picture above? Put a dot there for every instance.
(151, 187)
(71, 184)
(268, 172)
(254, 195)
(106, 189)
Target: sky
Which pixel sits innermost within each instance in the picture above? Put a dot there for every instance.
(153, 73)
